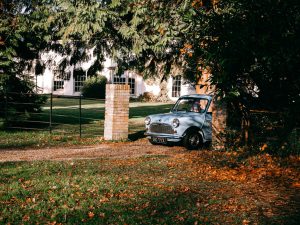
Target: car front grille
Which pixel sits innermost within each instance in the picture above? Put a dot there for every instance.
(161, 128)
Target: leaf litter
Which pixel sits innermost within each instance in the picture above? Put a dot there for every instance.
(141, 183)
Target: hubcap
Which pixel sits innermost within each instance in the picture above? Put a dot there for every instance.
(194, 140)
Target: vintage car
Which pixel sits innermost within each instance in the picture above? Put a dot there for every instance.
(189, 123)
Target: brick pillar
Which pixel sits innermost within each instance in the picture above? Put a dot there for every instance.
(116, 112)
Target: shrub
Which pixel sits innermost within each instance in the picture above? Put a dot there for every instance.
(147, 97)
(18, 98)
(94, 87)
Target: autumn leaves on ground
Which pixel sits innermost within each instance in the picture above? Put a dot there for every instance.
(174, 187)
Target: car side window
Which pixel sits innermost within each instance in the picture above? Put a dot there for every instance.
(198, 105)
(183, 105)
(202, 103)
(191, 105)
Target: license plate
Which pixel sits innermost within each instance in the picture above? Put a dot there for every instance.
(159, 140)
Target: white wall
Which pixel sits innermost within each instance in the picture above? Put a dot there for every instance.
(186, 88)
(52, 60)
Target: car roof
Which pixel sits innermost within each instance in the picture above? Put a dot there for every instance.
(208, 97)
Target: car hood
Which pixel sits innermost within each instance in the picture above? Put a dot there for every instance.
(168, 117)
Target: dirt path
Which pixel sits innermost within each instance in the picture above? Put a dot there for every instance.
(114, 150)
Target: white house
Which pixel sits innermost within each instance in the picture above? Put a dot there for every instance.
(69, 82)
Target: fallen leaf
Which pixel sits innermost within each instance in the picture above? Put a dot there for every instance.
(91, 214)
(246, 222)
(296, 184)
(26, 218)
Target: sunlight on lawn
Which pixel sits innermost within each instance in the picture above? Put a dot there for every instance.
(65, 123)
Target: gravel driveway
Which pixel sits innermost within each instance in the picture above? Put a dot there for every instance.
(115, 150)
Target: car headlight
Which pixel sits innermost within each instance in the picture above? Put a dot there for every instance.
(176, 123)
(147, 120)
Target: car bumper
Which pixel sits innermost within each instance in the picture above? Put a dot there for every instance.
(168, 137)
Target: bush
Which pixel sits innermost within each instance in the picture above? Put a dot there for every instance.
(18, 98)
(147, 97)
(94, 87)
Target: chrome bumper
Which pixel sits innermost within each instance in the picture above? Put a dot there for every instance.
(171, 138)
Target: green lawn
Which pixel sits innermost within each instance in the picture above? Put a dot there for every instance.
(65, 123)
(189, 188)
(97, 191)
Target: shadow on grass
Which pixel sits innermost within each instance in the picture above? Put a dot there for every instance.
(136, 136)
(163, 208)
(71, 116)
(175, 207)
(143, 111)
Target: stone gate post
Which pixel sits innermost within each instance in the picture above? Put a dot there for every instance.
(116, 112)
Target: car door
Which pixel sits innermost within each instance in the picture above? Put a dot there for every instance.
(207, 126)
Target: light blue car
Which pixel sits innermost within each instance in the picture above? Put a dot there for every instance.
(188, 122)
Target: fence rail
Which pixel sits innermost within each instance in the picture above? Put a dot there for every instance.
(60, 114)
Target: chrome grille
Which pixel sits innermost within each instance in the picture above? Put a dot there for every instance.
(161, 128)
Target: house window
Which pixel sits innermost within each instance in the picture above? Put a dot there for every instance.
(131, 82)
(176, 86)
(79, 78)
(58, 84)
(78, 83)
(119, 80)
(122, 80)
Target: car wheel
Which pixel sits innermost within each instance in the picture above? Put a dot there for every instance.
(192, 140)
(152, 142)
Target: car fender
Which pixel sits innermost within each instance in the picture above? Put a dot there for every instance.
(197, 129)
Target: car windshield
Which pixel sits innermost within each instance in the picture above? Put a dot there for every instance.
(190, 105)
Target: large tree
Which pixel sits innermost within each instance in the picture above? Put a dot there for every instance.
(251, 41)
(139, 34)
(252, 49)
(19, 45)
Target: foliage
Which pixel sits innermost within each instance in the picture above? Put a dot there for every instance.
(251, 49)
(247, 44)
(18, 97)
(77, 27)
(147, 97)
(137, 34)
(155, 35)
(18, 47)
(94, 87)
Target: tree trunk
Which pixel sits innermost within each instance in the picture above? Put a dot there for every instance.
(246, 132)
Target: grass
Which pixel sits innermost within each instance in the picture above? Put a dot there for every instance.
(39, 139)
(65, 123)
(184, 189)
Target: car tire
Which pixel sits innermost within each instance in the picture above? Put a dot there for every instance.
(152, 142)
(192, 140)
